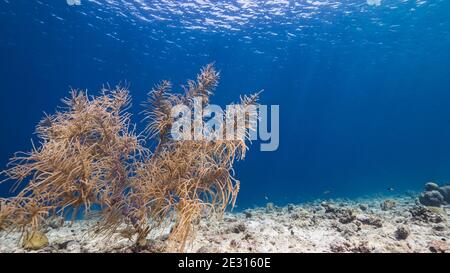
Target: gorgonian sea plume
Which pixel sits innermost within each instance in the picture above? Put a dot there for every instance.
(90, 160)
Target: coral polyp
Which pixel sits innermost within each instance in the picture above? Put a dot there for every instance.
(90, 161)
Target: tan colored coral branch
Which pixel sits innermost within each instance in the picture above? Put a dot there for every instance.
(90, 157)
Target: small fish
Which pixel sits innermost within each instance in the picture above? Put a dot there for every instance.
(390, 189)
(267, 198)
(326, 192)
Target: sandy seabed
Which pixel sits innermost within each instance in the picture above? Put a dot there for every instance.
(397, 224)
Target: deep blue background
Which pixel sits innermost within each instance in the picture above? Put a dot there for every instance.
(364, 96)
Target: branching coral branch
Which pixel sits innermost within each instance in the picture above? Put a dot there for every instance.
(90, 157)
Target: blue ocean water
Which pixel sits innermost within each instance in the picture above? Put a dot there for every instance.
(363, 87)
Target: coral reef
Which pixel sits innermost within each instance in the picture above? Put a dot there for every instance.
(304, 227)
(91, 160)
(435, 195)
